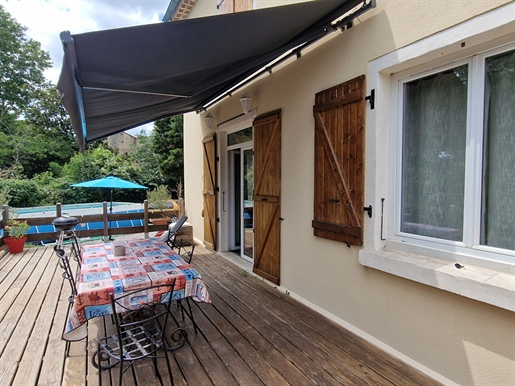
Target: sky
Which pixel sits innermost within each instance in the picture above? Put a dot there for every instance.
(46, 19)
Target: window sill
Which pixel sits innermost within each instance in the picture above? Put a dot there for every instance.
(481, 284)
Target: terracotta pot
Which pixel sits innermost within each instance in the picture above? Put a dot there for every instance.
(15, 245)
(160, 221)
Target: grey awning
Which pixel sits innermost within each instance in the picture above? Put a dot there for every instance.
(114, 80)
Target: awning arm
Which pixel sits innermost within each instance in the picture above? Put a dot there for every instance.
(348, 19)
(339, 25)
(135, 92)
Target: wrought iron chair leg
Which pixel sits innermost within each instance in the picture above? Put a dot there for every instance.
(168, 365)
(133, 370)
(121, 373)
(99, 368)
(181, 307)
(188, 312)
(191, 315)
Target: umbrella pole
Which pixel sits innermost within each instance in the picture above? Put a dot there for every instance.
(111, 212)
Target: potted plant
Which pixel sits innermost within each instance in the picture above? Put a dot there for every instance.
(160, 200)
(16, 232)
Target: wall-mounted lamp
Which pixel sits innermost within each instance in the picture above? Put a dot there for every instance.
(209, 121)
(245, 101)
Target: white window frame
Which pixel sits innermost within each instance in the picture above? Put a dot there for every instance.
(418, 258)
(473, 164)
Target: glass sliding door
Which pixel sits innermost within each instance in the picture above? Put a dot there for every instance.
(240, 206)
(248, 203)
(235, 201)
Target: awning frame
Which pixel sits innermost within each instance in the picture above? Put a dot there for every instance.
(341, 25)
(91, 79)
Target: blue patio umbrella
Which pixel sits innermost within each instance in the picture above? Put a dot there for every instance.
(110, 182)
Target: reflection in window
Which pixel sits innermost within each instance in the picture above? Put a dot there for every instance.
(433, 163)
(498, 195)
(238, 137)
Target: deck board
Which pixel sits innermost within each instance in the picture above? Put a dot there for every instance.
(251, 334)
(283, 333)
(29, 367)
(21, 317)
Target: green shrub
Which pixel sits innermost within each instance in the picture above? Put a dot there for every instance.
(22, 193)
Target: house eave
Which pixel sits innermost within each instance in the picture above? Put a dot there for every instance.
(179, 10)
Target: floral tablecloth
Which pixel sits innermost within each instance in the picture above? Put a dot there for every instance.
(146, 263)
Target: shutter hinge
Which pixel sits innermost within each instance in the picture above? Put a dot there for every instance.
(371, 98)
(218, 219)
(368, 209)
(217, 159)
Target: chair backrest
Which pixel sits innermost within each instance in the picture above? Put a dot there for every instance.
(64, 263)
(139, 310)
(172, 232)
(71, 236)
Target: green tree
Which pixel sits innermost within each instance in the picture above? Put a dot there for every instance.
(168, 146)
(29, 150)
(99, 162)
(21, 193)
(34, 127)
(50, 120)
(22, 62)
(11, 151)
(147, 162)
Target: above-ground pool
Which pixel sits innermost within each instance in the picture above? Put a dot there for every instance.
(43, 211)
(77, 210)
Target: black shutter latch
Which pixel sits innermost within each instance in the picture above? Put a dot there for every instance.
(371, 98)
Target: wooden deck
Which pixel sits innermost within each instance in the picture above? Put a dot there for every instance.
(251, 334)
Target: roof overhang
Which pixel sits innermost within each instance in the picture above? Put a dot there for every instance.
(115, 80)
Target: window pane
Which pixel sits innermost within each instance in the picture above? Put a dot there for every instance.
(241, 136)
(433, 163)
(498, 201)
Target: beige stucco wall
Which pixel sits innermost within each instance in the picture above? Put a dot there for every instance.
(449, 336)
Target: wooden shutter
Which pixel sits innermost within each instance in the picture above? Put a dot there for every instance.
(242, 5)
(230, 6)
(209, 192)
(267, 196)
(339, 158)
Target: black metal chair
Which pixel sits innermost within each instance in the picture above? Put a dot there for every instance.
(140, 321)
(71, 236)
(64, 263)
(173, 230)
(185, 250)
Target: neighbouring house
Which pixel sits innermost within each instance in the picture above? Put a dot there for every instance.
(369, 172)
(123, 142)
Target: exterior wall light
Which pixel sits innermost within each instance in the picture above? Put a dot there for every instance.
(245, 101)
(209, 121)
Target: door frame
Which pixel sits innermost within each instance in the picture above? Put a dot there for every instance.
(241, 149)
(237, 123)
